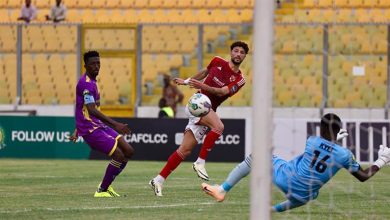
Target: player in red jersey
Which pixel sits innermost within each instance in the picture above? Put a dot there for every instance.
(220, 80)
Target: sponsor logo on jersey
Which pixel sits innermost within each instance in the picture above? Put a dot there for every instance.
(216, 80)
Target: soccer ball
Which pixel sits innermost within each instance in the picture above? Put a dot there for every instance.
(199, 105)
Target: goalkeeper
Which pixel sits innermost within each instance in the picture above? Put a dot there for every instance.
(301, 178)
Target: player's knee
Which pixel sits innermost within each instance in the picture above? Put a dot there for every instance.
(185, 152)
(119, 156)
(219, 127)
(129, 152)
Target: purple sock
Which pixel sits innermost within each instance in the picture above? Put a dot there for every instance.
(114, 168)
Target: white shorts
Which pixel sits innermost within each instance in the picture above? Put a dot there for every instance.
(199, 131)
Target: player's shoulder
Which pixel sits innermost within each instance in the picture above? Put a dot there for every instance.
(219, 59)
(84, 82)
(312, 139)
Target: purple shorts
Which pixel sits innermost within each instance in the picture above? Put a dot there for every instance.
(102, 139)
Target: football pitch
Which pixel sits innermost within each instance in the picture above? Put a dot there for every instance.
(63, 189)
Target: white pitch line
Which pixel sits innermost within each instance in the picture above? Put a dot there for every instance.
(101, 208)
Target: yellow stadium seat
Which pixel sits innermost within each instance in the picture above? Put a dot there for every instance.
(356, 3)
(370, 3)
(141, 3)
(344, 15)
(230, 3)
(88, 16)
(368, 47)
(84, 4)
(43, 3)
(384, 4)
(14, 3)
(377, 15)
(33, 100)
(156, 3)
(199, 3)
(170, 3)
(325, 3)
(73, 15)
(362, 15)
(71, 3)
(4, 15)
(315, 15)
(113, 4)
(98, 4)
(8, 38)
(341, 3)
(309, 4)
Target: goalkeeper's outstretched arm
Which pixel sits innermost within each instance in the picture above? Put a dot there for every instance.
(383, 159)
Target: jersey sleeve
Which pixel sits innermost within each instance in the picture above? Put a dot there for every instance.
(236, 85)
(87, 93)
(350, 163)
(216, 61)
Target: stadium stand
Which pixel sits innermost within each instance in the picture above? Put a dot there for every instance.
(171, 49)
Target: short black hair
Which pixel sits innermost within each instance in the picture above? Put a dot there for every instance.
(330, 125)
(240, 44)
(90, 54)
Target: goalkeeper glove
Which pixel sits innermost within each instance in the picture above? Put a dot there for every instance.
(342, 134)
(383, 156)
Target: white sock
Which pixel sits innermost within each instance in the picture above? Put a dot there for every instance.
(221, 189)
(159, 179)
(200, 161)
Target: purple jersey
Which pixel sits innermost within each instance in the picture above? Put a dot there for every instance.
(86, 92)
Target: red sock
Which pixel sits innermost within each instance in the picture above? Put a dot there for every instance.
(209, 143)
(173, 161)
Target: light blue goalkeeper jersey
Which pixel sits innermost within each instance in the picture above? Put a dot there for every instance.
(302, 177)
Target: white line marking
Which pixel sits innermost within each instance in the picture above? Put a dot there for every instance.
(102, 208)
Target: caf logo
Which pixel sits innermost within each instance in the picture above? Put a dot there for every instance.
(2, 138)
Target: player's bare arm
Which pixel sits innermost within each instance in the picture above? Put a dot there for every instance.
(213, 90)
(383, 159)
(199, 76)
(74, 136)
(363, 175)
(119, 127)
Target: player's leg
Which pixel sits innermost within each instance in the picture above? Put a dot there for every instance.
(188, 144)
(214, 123)
(126, 149)
(114, 168)
(239, 172)
(216, 126)
(105, 140)
(119, 160)
(286, 205)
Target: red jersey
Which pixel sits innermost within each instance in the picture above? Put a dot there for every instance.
(219, 75)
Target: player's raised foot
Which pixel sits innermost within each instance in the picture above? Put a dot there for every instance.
(156, 186)
(214, 192)
(103, 194)
(201, 171)
(112, 191)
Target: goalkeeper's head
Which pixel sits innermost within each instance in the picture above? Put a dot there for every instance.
(330, 126)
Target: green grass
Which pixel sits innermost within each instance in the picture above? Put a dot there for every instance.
(63, 189)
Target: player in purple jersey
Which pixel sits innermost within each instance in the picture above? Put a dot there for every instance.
(99, 131)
